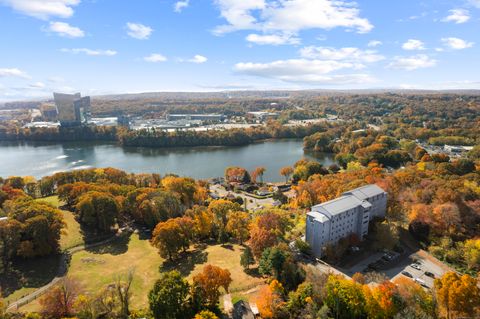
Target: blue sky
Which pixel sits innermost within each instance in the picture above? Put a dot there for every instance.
(120, 46)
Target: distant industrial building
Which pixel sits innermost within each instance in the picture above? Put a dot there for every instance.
(262, 115)
(348, 214)
(49, 112)
(196, 117)
(72, 109)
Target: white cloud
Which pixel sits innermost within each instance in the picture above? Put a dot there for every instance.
(180, 5)
(139, 31)
(456, 43)
(43, 9)
(198, 59)
(37, 85)
(272, 39)
(13, 72)
(458, 16)
(90, 52)
(65, 30)
(304, 70)
(354, 55)
(290, 16)
(155, 57)
(413, 44)
(411, 63)
(374, 43)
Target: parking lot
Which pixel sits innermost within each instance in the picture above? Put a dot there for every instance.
(418, 266)
(421, 268)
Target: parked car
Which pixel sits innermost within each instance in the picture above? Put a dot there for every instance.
(420, 281)
(407, 274)
(429, 274)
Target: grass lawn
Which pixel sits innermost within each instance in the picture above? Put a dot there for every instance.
(72, 235)
(52, 200)
(96, 268)
(228, 257)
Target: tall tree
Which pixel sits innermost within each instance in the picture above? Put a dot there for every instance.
(286, 172)
(59, 301)
(238, 225)
(209, 281)
(247, 259)
(167, 237)
(258, 172)
(98, 210)
(457, 296)
(168, 298)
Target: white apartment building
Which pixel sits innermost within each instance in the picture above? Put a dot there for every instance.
(348, 214)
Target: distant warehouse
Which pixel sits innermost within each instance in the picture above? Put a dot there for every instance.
(348, 214)
(196, 117)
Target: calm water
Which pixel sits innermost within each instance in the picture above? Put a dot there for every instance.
(39, 159)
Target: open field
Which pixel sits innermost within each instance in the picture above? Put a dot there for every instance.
(95, 268)
(228, 256)
(98, 267)
(72, 235)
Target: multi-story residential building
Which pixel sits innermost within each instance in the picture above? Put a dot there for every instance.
(348, 214)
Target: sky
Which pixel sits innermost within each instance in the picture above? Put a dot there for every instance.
(128, 46)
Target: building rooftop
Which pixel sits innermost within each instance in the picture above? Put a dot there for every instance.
(349, 200)
(365, 192)
(337, 205)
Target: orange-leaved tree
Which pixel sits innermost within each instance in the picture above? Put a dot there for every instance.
(209, 281)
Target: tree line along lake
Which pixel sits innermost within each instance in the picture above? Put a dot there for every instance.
(42, 159)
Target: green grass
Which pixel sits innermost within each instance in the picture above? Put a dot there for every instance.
(71, 234)
(228, 257)
(95, 269)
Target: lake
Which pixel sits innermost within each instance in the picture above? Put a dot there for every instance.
(42, 159)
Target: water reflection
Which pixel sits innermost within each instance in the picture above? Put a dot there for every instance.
(40, 159)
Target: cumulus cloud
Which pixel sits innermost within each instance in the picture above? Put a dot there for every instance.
(90, 52)
(304, 71)
(43, 9)
(272, 39)
(374, 43)
(64, 29)
(290, 16)
(180, 5)
(13, 72)
(411, 63)
(456, 43)
(138, 31)
(198, 59)
(155, 57)
(354, 55)
(458, 16)
(413, 44)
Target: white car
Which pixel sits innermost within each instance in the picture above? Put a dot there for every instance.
(420, 281)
